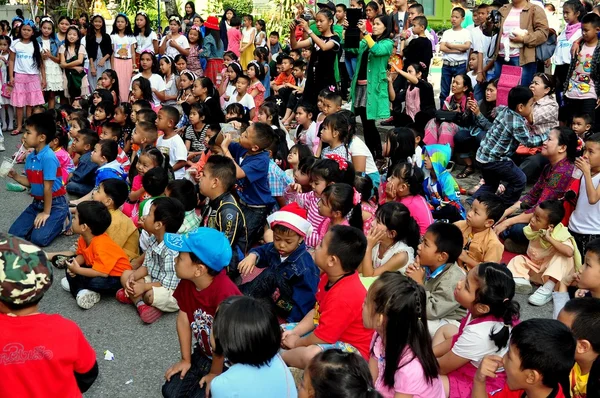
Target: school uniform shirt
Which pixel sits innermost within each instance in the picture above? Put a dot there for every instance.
(456, 37)
(35, 360)
(254, 188)
(175, 149)
(43, 166)
(483, 246)
(247, 101)
(124, 233)
(439, 289)
(24, 62)
(110, 170)
(338, 313)
(104, 255)
(156, 82)
(200, 306)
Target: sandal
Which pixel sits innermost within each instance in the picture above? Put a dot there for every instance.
(467, 171)
(60, 261)
(15, 132)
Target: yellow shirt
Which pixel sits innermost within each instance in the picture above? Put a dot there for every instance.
(578, 382)
(124, 233)
(483, 246)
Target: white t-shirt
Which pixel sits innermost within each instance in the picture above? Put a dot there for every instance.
(122, 46)
(145, 43)
(456, 37)
(586, 217)
(175, 149)
(247, 101)
(474, 343)
(359, 148)
(24, 62)
(482, 43)
(156, 82)
(172, 51)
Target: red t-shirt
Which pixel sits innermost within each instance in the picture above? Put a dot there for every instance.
(338, 313)
(507, 393)
(200, 305)
(39, 355)
(282, 78)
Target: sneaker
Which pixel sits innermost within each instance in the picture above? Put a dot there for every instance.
(122, 297)
(542, 296)
(148, 314)
(388, 122)
(86, 299)
(2, 148)
(65, 284)
(522, 286)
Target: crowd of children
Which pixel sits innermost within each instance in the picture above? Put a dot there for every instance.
(217, 174)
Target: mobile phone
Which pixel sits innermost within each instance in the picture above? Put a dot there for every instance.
(471, 96)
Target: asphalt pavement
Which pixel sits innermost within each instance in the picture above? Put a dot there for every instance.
(142, 353)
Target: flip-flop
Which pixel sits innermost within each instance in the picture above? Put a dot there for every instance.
(60, 261)
(15, 132)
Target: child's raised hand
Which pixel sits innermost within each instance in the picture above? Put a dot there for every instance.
(488, 367)
(583, 165)
(390, 190)
(226, 142)
(415, 272)
(289, 340)
(246, 266)
(548, 233)
(374, 236)
(581, 292)
(296, 187)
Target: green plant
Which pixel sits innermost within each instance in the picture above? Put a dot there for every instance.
(241, 7)
(440, 27)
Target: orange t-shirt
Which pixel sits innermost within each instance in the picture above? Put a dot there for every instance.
(104, 255)
(281, 79)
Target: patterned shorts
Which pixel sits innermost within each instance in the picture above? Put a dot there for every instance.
(340, 345)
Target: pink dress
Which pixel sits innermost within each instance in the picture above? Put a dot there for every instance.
(419, 209)
(234, 37)
(259, 99)
(193, 61)
(131, 209)
(324, 227)
(371, 209)
(66, 163)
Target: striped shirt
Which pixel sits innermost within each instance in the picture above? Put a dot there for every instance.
(310, 202)
(44, 166)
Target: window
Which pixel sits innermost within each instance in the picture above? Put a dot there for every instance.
(429, 7)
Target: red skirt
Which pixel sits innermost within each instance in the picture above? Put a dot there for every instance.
(213, 67)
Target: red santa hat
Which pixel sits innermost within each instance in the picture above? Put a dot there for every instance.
(293, 217)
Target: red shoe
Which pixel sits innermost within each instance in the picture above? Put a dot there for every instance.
(122, 297)
(149, 314)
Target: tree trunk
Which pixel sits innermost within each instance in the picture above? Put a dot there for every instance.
(171, 8)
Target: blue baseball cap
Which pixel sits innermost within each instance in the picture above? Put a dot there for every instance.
(209, 245)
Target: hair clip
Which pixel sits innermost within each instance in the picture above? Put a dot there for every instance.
(174, 18)
(46, 19)
(148, 52)
(168, 57)
(142, 13)
(356, 199)
(29, 22)
(423, 65)
(342, 163)
(331, 88)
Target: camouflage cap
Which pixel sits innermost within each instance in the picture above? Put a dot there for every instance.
(24, 271)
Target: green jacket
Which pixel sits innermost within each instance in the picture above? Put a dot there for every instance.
(378, 99)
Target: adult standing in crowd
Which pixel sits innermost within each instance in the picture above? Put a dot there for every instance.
(225, 25)
(190, 14)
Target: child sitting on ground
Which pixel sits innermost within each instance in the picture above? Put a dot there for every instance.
(144, 135)
(487, 293)
(171, 144)
(113, 131)
(24, 325)
(278, 179)
(438, 252)
(222, 211)
(43, 220)
(185, 192)
(537, 364)
(290, 279)
(155, 182)
(202, 257)
(112, 193)
(150, 287)
(582, 316)
(59, 145)
(340, 205)
(336, 320)
(100, 262)
(480, 242)
(148, 159)
(551, 255)
(83, 179)
(441, 190)
(392, 241)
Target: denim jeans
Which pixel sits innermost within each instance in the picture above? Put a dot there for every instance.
(255, 221)
(528, 69)
(515, 233)
(448, 73)
(188, 386)
(350, 63)
(479, 92)
(43, 236)
(505, 170)
(78, 189)
(109, 285)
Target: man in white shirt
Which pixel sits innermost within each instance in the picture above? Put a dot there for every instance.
(484, 46)
(454, 45)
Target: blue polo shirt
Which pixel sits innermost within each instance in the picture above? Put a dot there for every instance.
(254, 188)
(44, 166)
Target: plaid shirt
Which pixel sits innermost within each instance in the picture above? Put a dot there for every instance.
(502, 139)
(545, 114)
(191, 221)
(160, 261)
(278, 180)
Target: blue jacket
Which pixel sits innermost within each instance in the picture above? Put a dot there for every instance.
(54, 44)
(299, 272)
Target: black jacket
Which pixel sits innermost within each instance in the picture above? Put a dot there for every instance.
(91, 47)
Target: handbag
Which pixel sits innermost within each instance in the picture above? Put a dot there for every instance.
(7, 90)
(459, 118)
(545, 50)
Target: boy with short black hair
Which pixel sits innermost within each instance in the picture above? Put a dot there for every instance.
(113, 193)
(441, 246)
(100, 262)
(185, 192)
(290, 279)
(25, 275)
(83, 178)
(155, 183)
(540, 356)
(171, 144)
(510, 127)
(582, 126)
(285, 76)
(222, 211)
(137, 106)
(43, 220)
(240, 96)
(252, 173)
(338, 256)
(454, 45)
(113, 131)
(151, 286)
(202, 257)
(146, 115)
(144, 135)
(480, 242)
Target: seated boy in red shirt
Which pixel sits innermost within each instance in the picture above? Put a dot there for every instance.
(541, 355)
(204, 284)
(36, 362)
(99, 261)
(336, 320)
